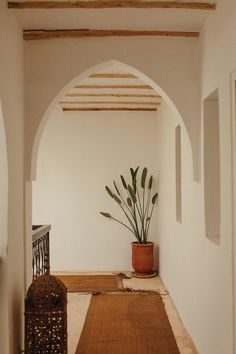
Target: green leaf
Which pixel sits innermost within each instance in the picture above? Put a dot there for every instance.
(129, 202)
(150, 182)
(143, 178)
(109, 192)
(135, 187)
(123, 182)
(136, 171)
(154, 198)
(132, 172)
(116, 199)
(116, 187)
(105, 214)
(132, 194)
(134, 179)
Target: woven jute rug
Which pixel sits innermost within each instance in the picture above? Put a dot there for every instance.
(91, 283)
(127, 324)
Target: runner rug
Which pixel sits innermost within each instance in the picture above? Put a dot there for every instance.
(127, 324)
(91, 283)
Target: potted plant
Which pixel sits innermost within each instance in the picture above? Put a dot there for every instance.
(137, 203)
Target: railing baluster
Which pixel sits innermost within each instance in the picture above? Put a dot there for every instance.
(40, 250)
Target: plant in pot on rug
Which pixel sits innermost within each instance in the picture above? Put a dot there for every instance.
(137, 202)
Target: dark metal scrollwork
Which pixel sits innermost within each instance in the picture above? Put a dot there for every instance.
(40, 250)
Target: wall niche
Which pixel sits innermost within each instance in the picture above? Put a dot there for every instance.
(212, 166)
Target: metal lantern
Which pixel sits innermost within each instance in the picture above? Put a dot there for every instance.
(46, 316)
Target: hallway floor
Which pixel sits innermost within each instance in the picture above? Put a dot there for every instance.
(79, 303)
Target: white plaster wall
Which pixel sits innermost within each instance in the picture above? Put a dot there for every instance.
(192, 267)
(12, 99)
(79, 154)
(218, 63)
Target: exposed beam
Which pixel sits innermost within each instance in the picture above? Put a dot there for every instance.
(108, 109)
(111, 95)
(78, 33)
(136, 87)
(134, 4)
(111, 102)
(112, 76)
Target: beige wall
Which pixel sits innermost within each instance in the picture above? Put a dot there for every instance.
(79, 154)
(11, 96)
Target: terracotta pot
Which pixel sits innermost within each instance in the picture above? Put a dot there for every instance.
(143, 257)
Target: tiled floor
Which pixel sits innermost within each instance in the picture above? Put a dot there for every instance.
(79, 303)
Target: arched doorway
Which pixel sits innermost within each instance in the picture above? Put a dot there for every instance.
(105, 67)
(169, 111)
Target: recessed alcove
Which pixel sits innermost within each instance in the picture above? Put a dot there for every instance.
(212, 167)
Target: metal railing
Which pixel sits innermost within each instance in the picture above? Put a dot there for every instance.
(40, 250)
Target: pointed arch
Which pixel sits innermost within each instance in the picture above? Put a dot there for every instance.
(85, 74)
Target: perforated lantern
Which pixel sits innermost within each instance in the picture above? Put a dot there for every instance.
(46, 316)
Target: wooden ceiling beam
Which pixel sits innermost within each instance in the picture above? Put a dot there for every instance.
(99, 4)
(78, 33)
(111, 102)
(112, 76)
(135, 87)
(111, 95)
(109, 109)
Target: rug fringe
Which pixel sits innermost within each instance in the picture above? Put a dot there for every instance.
(130, 291)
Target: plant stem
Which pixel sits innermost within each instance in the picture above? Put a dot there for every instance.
(130, 221)
(139, 200)
(127, 227)
(143, 200)
(133, 214)
(148, 224)
(139, 237)
(126, 205)
(146, 212)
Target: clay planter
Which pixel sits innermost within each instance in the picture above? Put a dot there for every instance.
(143, 259)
